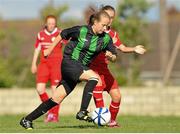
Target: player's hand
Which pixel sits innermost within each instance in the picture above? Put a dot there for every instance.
(139, 49)
(33, 69)
(47, 52)
(110, 56)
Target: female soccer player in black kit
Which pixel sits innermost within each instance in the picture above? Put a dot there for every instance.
(86, 42)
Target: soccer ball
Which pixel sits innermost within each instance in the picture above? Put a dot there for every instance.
(101, 116)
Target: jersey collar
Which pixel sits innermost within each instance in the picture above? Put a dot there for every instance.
(107, 31)
(50, 33)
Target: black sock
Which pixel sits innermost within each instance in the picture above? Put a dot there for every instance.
(87, 93)
(41, 109)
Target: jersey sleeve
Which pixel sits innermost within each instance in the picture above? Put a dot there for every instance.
(118, 41)
(68, 33)
(110, 47)
(37, 43)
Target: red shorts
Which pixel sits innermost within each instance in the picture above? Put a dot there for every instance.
(108, 81)
(49, 70)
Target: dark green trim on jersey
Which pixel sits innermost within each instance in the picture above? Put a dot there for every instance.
(81, 41)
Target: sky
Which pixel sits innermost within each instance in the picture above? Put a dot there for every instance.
(29, 9)
(25, 9)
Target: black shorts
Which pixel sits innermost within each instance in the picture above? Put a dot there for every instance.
(71, 70)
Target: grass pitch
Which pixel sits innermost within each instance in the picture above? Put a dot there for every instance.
(68, 124)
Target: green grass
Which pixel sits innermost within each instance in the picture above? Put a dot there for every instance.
(10, 123)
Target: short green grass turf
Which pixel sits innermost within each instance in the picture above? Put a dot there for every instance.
(68, 124)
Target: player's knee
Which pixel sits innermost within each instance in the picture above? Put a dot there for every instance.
(57, 98)
(59, 94)
(40, 90)
(116, 97)
(94, 76)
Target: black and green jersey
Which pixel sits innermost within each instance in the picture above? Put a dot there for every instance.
(84, 45)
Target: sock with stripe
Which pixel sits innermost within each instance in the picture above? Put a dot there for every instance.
(98, 96)
(114, 109)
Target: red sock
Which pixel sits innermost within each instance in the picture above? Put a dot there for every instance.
(44, 97)
(114, 109)
(55, 110)
(98, 96)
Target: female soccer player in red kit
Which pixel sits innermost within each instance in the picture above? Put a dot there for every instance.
(48, 69)
(100, 65)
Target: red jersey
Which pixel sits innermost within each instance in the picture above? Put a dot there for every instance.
(44, 39)
(101, 59)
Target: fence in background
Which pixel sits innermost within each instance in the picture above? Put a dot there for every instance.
(135, 101)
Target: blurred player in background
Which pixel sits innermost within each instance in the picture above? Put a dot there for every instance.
(47, 69)
(100, 65)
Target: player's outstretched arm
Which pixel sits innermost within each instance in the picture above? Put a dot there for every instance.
(51, 47)
(139, 49)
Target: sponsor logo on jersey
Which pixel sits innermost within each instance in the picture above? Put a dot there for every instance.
(53, 38)
(56, 81)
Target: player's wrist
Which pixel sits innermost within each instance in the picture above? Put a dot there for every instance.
(113, 58)
(33, 64)
(134, 49)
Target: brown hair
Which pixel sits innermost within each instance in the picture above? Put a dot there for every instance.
(97, 16)
(107, 7)
(50, 16)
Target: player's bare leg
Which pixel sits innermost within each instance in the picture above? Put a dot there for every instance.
(114, 106)
(41, 89)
